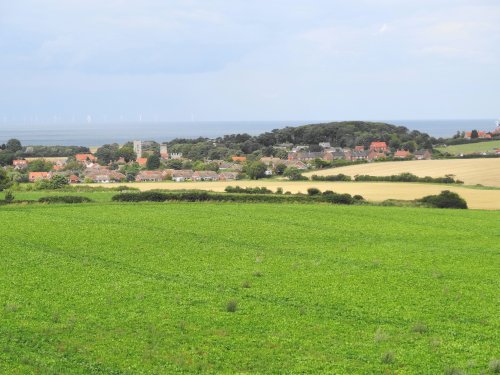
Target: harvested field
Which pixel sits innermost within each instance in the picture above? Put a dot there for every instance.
(472, 171)
(373, 191)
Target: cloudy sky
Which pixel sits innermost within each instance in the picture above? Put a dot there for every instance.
(249, 60)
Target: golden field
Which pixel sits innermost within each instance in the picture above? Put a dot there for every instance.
(472, 171)
(372, 191)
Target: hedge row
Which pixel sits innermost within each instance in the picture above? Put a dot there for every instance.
(203, 196)
(248, 190)
(446, 199)
(64, 199)
(335, 177)
(409, 177)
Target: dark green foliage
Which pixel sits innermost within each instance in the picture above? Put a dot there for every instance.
(4, 180)
(409, 177)
(40, 165)
(64, 199)
(280, 169)
(335, 198)
(358, 197)
(107, 153)
(153, 162)
(9, 196)
(446, 199)
(338, 177)
(6, 158)
(248, 190)
(54, 151)
(255, 170)
(232, 306)
(474, 134)
(294, 174)
(313, 191)
(13, 145)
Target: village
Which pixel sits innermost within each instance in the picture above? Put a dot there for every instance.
(86, 168)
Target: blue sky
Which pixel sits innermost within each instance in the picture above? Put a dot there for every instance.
(249, 60)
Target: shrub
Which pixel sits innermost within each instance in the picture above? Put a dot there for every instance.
(9, 196)
(446, 199)
(279, 190)
(313, 191)
(64, 199)
(232, 306)
(358, 197)
(387, 357)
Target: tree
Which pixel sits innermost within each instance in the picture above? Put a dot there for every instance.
(4, 180)
(13, 145)
(255, 170)
(153, 162)
(58, 181)
(280, 169)
(40, 165)
(107, 153)
(474, 134)
(294, 174)
(127, 153)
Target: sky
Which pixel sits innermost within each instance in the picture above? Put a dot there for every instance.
(212, 60)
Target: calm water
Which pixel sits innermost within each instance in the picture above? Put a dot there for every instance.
(98, 134)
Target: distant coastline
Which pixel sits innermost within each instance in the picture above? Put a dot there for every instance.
(95, 134)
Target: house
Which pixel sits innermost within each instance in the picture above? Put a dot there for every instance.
(359, 155)
(142, 161)
(295, 164)
(73, 179)
(182, 175)
(225, 165)
(402, 154)
(20, 164)
(35, 176)
(271, 161)
(422, 155)
(375, 155)
(379, 146)
(82, 158)
(108, 177)
(239, 159)
(480, 134)
(228, 176)
(149, 176)
(305, 156)
(205, 176)
(325, 144)
(284, 146)
(359, 148)
(56, 167)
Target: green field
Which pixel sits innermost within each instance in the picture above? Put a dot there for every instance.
(144, 288)
(471, 148)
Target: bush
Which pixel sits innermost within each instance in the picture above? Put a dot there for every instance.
(409, 177)
(64, 199)
(9, 196)
(446, 199)
(232, 306)
(358, 197)
(248, 190)
(313, 191)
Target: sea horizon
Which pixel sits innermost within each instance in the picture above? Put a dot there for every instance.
(99, 133)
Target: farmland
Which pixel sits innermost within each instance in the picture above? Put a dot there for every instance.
(472, 171)
(470, 148)
(146, 288)
(372, 191)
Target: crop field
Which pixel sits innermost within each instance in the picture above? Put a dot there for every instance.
(234, 288)
(471, 148)
(472, 171)
(372, 191)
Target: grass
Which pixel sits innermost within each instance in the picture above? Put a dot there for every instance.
(470, 148)
(144, 288)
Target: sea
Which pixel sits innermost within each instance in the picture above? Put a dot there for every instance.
(95, 134)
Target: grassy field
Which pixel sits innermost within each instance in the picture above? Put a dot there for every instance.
(471, 148)
(471, 171)
(146, 288)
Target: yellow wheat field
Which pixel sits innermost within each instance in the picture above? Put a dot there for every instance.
(372, 191)
(472, 171)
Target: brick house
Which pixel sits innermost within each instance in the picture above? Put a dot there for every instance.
(379, 147)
